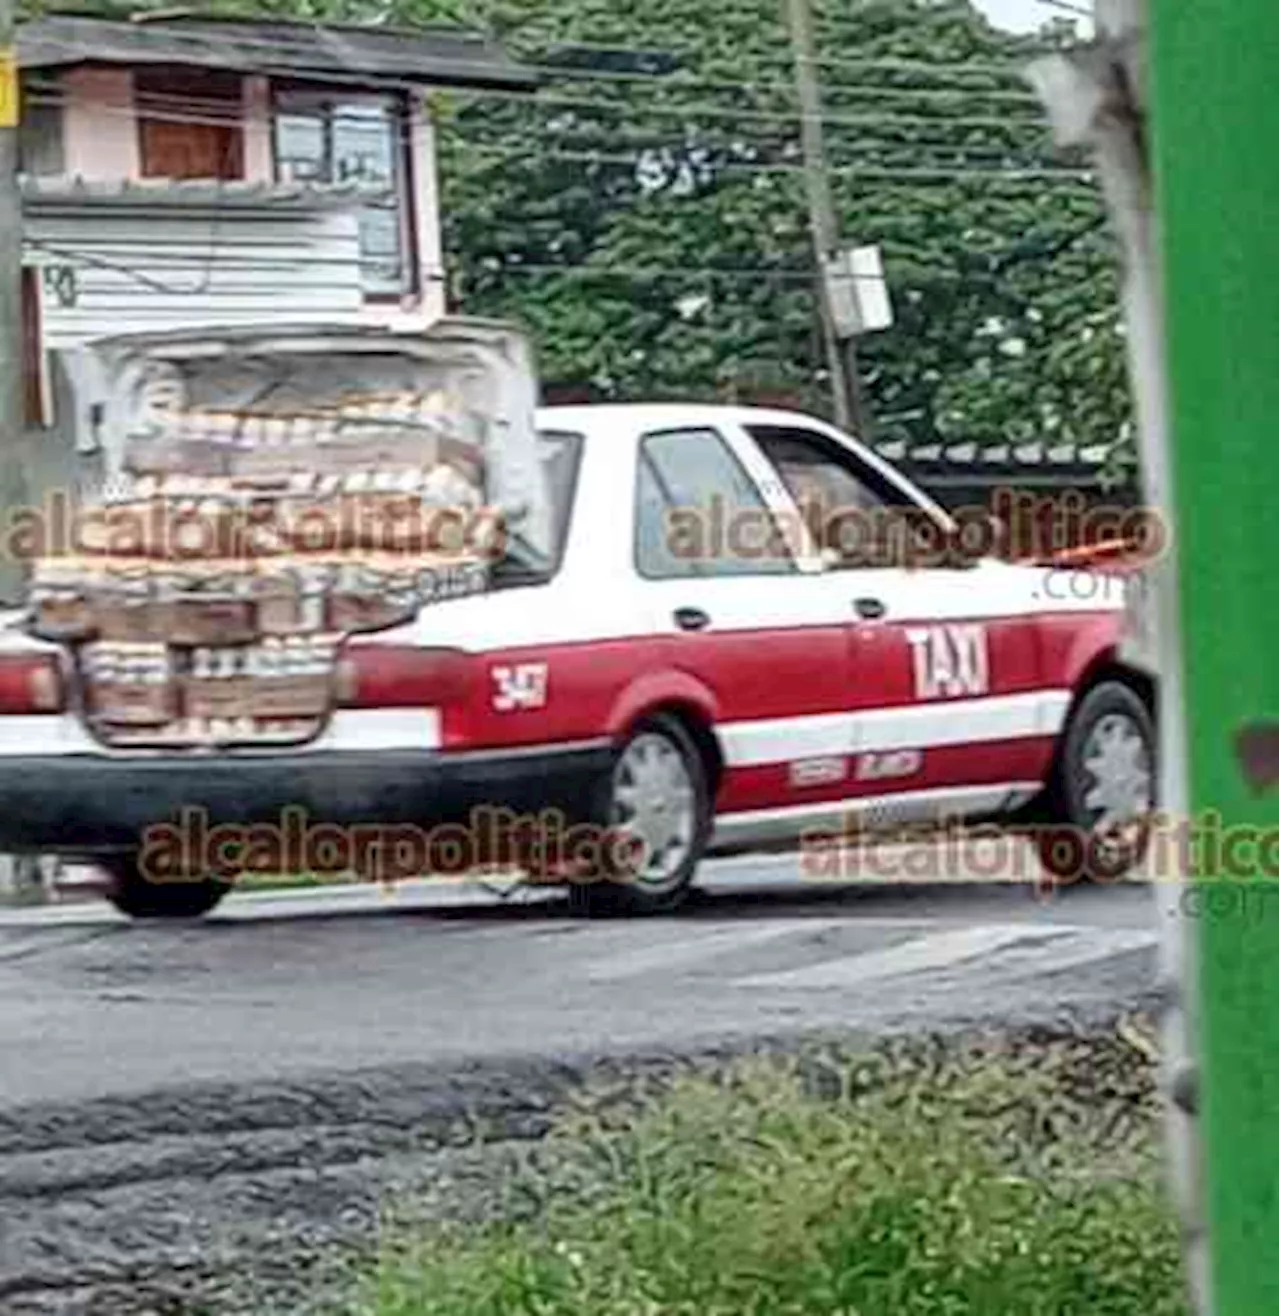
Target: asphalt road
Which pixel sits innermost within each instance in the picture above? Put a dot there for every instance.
(184, 1103)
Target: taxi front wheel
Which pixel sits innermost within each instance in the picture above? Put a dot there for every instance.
(656, 809)
(141, 895)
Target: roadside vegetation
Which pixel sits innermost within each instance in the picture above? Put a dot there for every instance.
(645, 218)
(990, 1183)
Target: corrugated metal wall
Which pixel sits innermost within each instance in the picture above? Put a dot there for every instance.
(108, 271)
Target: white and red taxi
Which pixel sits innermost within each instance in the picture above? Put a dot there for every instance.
(703, 664)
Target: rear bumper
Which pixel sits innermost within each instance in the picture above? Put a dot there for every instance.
(84, 803)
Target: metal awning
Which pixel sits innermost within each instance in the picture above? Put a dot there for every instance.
(321, 52)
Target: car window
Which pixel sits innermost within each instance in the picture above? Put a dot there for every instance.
(561, 455)
(698, 513)
(850, 510)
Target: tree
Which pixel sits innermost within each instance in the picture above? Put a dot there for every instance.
(644, 215)
(647, 221)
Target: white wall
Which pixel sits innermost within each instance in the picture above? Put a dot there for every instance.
(100, 141)
(99, 131)
(134, 270)
(109, 271)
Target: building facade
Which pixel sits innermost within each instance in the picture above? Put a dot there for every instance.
(188, 171)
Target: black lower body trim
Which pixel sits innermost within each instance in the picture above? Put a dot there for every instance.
(82, 804)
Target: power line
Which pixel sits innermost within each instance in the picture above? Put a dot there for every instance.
(591, 156)
(939, 68)
(496, 266)
(604, 157)
(642, 272)
(681, 78)
(705, 111)
(402, 136)
(157, 109)
(1066, 8)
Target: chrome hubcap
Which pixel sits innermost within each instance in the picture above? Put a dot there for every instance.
(1117, 762)
(654, 806)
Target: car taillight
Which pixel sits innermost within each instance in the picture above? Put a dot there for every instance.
(31, 683)
(392, 676)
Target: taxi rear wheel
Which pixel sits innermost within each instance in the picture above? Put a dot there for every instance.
(135, 893)
(656, 810)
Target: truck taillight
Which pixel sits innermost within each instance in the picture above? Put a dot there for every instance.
(395, 676)
(31, 683)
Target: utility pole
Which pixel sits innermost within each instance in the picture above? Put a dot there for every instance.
(20, 875)
(1197, 234)
(1211, 71)
(842, 356)
(12, 410)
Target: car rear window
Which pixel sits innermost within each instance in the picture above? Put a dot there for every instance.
(561, 453)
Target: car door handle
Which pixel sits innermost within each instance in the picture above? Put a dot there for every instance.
(691, 619)
(869, 609)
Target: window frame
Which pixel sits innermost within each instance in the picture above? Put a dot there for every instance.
(564, 522)
(890, 487)
(700, 569)
(214, 92)
(324, 98)
(37, 406)
(41, 141)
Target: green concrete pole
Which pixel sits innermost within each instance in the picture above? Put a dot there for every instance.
(1212, 95)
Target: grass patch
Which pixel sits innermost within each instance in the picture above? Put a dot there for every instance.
(290, 881)
(983, 1185)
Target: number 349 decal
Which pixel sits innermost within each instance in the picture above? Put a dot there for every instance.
(949, 661)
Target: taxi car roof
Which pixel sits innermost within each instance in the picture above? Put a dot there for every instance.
(635, 416)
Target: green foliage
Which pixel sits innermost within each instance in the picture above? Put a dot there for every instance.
(652, 231)
(644, 215)
(927, 1195)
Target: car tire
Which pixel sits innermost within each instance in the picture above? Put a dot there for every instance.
(1102, 791)
(656, 795)
(133, 893)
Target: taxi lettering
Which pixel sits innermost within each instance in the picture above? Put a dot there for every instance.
(949, 661)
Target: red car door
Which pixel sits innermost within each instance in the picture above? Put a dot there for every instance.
(949, 710)
(760, 637)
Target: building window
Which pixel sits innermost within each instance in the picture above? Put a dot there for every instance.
(684, 474)
(335, 138)
(40, 137)
(189, 123)
(34, 391)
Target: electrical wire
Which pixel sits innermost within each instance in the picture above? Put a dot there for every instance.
(403, 137)
(939, 68)
(183, 109)
(681, 79)
(861, 171)
(1075, 10)
(156, 109)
